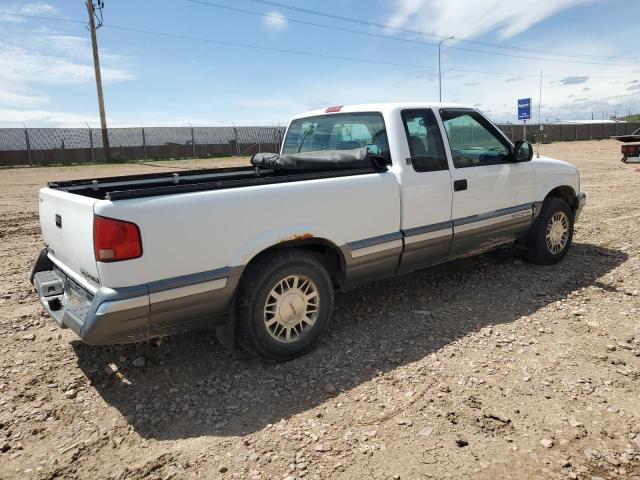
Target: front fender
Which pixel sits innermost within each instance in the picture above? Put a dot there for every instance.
(550, 176)
(543, 191)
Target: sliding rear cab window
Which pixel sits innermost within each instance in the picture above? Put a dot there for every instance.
(338, 131)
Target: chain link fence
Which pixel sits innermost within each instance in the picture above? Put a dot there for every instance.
(566, 132)
(48, 146)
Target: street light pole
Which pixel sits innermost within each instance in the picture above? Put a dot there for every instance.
(439, 69)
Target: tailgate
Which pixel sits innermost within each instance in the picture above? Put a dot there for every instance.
(66, 221)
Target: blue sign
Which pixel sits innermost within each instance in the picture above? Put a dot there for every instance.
(524, 108)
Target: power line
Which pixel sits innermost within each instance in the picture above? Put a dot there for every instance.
(227, 43)
(323, 55)
(370, 34)
(304, 53)
(399, 39)
(40, 17)
(269, 49)
(420, 32)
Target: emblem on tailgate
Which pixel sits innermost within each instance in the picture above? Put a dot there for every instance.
(58, 221)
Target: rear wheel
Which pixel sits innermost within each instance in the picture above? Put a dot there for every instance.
(285, 300)
(552, 232)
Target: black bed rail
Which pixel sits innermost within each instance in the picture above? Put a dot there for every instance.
(168, 183)
(236, 183)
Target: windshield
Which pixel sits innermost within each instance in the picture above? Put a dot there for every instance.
(340, 131)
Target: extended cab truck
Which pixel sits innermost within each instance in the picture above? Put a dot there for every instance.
(258, 251)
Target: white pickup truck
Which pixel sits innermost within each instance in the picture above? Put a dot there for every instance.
(357, 193)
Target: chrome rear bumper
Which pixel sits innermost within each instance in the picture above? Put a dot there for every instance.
(103, 315)
(96, 319)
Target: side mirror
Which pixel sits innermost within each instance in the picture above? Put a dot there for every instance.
(523, 151)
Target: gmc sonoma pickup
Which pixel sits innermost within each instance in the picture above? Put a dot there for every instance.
(357, 193)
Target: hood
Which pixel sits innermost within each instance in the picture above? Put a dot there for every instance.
(553, 164)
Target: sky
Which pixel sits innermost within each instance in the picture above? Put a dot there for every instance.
(257, 62)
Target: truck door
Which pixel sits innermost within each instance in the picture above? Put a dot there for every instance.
(492, 194)
(426, 194)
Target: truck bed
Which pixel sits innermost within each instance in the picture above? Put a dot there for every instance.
(168, 183)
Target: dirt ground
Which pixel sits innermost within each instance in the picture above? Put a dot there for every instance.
(488, 367)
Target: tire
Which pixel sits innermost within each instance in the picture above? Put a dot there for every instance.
(285, 300)
(548, 243)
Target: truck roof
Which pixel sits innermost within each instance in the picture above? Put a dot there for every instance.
(384, 107)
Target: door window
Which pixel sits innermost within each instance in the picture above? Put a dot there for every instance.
(473, 140)
(425, 141)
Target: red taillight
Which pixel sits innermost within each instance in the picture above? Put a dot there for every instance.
(630, 149)
(333, 109)
(115, 240)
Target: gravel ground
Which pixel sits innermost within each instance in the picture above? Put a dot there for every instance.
(487, 367)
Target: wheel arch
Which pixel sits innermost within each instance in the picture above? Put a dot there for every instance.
(566, 193)
(331, 255)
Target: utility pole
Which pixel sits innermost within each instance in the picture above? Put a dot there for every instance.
(91, 10)
(439, 69)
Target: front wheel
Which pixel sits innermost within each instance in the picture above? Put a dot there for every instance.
(552, 233)
(284, 302)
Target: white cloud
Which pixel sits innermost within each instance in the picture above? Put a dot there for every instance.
(466, 19)
(23, 66)
(69, 46)
(43, 118)
(275, 21)
(573, 80)
(21, 100)
(25, 9)
(37, 9)
(31, 64)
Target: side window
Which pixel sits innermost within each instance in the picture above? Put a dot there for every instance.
(425, 141)
(472, 140)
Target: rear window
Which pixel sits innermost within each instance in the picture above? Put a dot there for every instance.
(339, 131)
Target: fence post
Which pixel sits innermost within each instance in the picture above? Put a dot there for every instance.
(576, 132)
(26, 137)
(64, 153)
(235, 137)
(93, 153)
(193, 142)
(144, 145)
